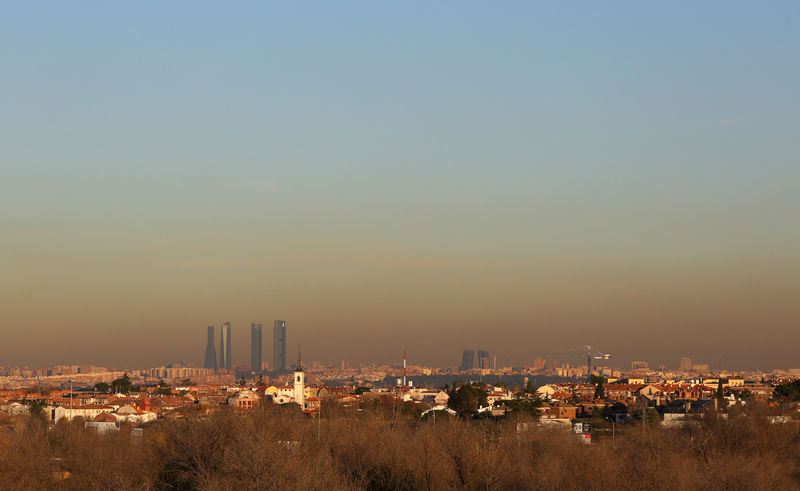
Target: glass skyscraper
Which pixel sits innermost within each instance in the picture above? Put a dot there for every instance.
(279, 345)
(211, 352)
(255, 347)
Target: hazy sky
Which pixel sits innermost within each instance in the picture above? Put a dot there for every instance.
(521, 177)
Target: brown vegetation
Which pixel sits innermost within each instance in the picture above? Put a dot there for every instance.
(278, 448)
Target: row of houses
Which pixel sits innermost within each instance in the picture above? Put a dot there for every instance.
(660, 393)
(562, 401)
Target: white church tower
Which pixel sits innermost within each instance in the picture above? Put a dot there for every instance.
(299, 384)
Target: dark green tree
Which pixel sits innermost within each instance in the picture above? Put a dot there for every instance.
(37, 410)
(746, 395)
(525, 402)
(466, 399)
(122, 385)
(101, 387)
(599, 391)
(720, 393)
(598, 382)
(790, 391)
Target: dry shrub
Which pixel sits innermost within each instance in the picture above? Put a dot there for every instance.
(279, 448)
(25, 456)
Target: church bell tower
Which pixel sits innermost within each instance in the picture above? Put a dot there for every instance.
(299, 383)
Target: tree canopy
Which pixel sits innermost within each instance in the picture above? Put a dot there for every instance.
(720, 392)
(122, 385)
(789, 391)
(599, 390)
(525, 402)
(466, 399)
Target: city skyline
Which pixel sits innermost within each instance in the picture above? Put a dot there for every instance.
(443, 356)
(520, 179)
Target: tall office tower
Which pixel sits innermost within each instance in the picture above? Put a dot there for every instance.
(228, 361)
(483, 359)
(211, 353)
(279, 345)
(467, 360)
(225, 346)
(255, 347)
(686, 364)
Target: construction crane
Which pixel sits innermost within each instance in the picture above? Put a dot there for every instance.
(592, 352)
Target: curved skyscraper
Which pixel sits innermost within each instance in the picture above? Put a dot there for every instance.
(467, 360)
(483, 359)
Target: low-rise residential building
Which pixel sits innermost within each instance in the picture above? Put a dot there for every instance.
(77, 411)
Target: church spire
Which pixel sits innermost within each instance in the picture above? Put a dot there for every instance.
(299, 362)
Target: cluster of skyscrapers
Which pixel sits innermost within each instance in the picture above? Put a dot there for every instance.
(468, 359)
(256, 339)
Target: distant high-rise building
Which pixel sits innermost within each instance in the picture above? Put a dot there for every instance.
(255, 347)
(225, 346)
(686, 364)
(279, 345)
(228, 361)
(539, 364)
(483, 359)
(467, 360)
(211, 353)
(639, 365)
(701, 367)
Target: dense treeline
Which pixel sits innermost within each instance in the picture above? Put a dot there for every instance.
(279, 448)
(789, 391)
